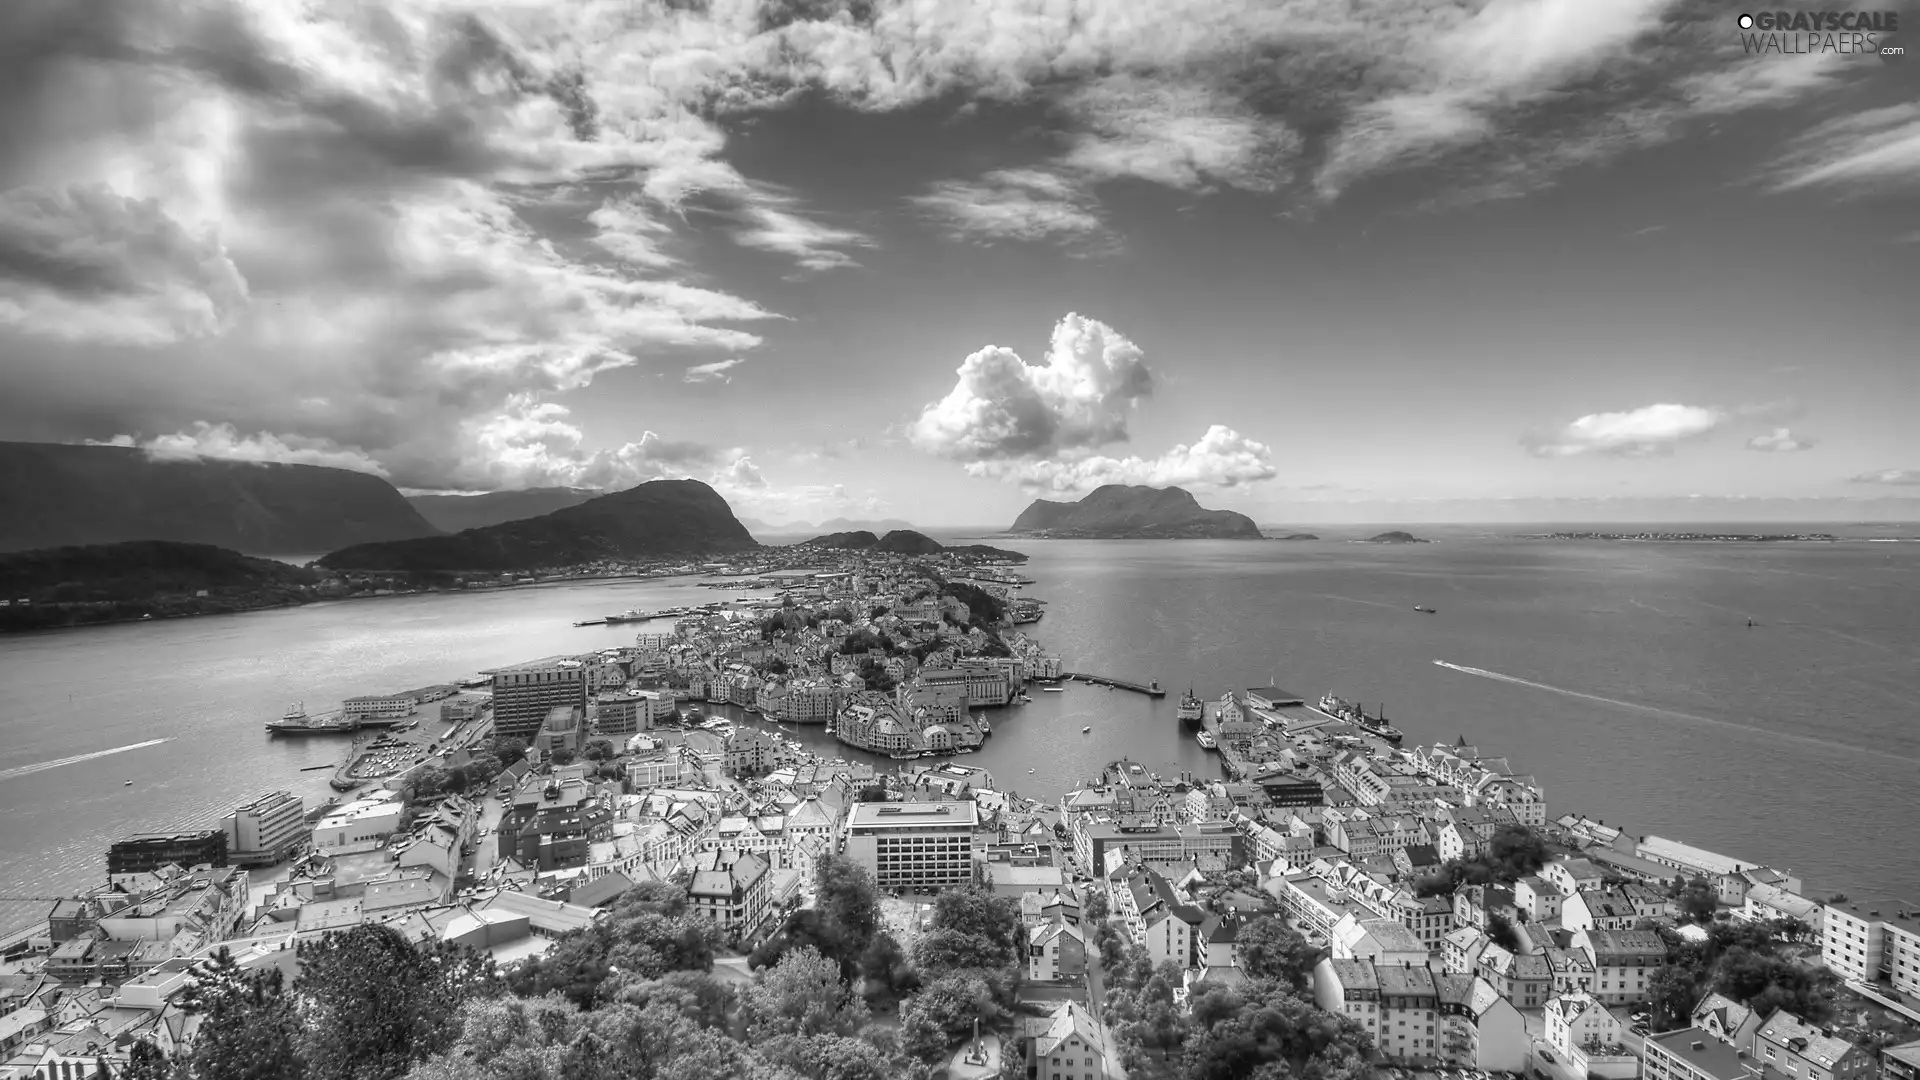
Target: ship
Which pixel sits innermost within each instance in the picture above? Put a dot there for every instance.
(629, 615)
(1052, 690)
(1425, 610)
(295, 721)
(1376, 726)
(1191, 709)
(1206, 740)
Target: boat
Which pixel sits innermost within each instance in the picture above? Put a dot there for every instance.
(1206, 739)
(1425, 610)
(1052, 690)
(1191, 708)
(1086, 729)
(295, 721)
(129, 783)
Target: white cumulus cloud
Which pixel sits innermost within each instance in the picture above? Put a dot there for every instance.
(1652, 429)
(1078, 398)
(1898, 477)
(224, 442)
(1778, 441)
(1222, 458)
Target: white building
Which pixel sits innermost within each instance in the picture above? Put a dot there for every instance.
(1874, 941)
(359, 821)
(915, 847)
(266, 829)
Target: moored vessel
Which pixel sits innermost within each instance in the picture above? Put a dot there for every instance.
(295, 721)
(1206, 740)
(1191, 708)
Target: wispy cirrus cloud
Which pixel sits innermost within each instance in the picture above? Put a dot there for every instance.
(1869, 152)
(1016, 204)
(717, 371)
(1895, 477)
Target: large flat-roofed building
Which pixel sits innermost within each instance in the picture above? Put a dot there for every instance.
(1692, 1054)
(1873, 941)
(915, 847)
(524, 694)
(1158, 843)
(150, 851)
(266, 829)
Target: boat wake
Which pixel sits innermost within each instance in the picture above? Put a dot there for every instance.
(27, 770)
(1658, 711)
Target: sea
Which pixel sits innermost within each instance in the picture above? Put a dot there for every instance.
(1624, 676)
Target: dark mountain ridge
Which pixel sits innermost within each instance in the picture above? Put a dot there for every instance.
(96, 583)
(458, 513)
(55, 495)
(905, 542)
(1119, 511)
(660, 517)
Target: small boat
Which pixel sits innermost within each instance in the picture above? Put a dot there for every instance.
(1425, 610)
(128, 784)
(1086, 729)
(1052, 690)
(1206, 740)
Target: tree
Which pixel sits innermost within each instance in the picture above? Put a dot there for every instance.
(993, 921)
(801, 995)
(1501, 932)
(144, 1062)
(562, 756)
(599, 750)
(934, 1018)
(1671, 995)
(1095, 909)
(1270, 949)
(1699, 900)
(484, 767)
(644, 935)
(428, 781)
(248, 1027)
(373, 1004)
(509, 750)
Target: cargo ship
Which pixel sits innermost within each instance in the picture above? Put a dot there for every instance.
(295, 721)
(1192, 709)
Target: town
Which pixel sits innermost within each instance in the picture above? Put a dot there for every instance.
(1334, 901)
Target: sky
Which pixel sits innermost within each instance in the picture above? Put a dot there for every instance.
(1528, 259)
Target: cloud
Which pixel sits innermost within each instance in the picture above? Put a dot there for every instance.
(716, 371)
(1003, 407)
(1898, 477)
(532, 444)
(87, 263)
(1222, 458)
(1653, 429)
(223, 442)
(1780, 440)
(1868, 152)
(1015, 204)
(741, 473)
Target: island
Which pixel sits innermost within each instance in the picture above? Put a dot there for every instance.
(1690, 537)
(141, 579)
(1295, 536)
(1393, 537)
(1133, 512)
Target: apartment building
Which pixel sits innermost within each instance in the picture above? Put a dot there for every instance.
(915, 847)
(1803, 1051)
(524, 694)
(730, 890)
(148, 852)
(1055, 950)
(1874, 941)
(1398, 1006)
(265, 829)
(1692, 1054)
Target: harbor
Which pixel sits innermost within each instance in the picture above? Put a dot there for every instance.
(1150, 689)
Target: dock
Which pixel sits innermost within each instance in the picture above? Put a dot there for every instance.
(1149, 689)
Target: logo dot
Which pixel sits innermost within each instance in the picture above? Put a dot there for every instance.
(1746, 22)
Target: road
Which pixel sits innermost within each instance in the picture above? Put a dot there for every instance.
(485, 843)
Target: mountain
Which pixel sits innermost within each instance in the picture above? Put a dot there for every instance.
(661, 517)
(908, 542)
(458, 513)
(905, 542)
(860, 540)
(1123, 512)
(97, 583)
(844, 525)
(54, 495)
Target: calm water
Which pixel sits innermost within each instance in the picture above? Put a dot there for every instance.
(1623, 675)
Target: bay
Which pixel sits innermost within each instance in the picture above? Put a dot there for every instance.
(1622, 675)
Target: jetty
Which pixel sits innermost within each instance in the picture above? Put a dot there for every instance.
(1149, 689)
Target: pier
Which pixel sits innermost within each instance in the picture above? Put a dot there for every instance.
(1149, 689)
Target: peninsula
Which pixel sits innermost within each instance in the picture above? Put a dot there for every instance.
(59, 496)
(141, 579)
(1122, 512)
(656, 518)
